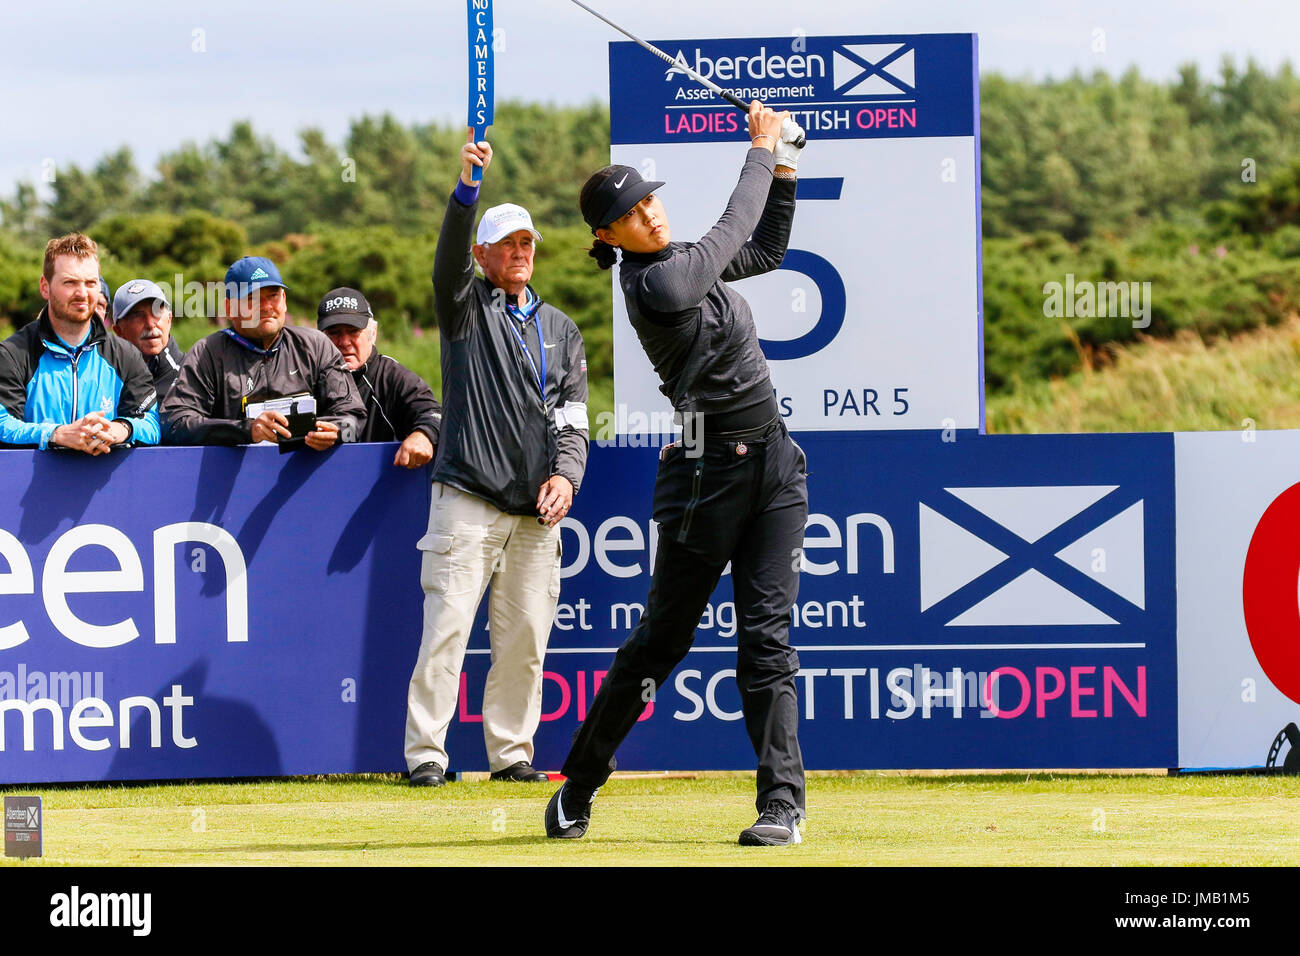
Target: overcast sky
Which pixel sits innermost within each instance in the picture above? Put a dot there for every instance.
(80, 78)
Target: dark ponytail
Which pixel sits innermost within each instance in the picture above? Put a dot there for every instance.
(603, 253)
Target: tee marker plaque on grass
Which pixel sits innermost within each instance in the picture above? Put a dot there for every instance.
(23, 826)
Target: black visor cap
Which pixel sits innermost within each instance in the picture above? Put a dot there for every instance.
(616, 196)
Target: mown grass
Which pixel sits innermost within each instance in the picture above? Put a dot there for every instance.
(863, 819)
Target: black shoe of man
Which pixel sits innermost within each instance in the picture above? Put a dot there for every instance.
(521, 772)
(428, 774)
(777, 825)
(569, 813)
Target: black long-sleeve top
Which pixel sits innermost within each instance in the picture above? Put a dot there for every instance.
(697, 332)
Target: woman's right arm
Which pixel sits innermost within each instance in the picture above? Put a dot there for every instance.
(681, 282)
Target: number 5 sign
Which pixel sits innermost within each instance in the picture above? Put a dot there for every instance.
(873, 320)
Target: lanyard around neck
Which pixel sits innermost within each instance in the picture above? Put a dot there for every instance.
(538, 374)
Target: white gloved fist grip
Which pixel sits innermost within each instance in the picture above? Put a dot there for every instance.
(786, 153)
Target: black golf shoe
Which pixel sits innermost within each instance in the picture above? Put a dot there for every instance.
(428, 774)
(521, 772)
(569, 813)
(777, 825)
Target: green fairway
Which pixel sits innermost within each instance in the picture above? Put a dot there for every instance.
(856, 819)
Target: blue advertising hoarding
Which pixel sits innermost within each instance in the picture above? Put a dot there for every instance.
(235, 612)
(993, 602)
(1045, 561)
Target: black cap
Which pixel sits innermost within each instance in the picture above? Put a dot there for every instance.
(621, 189)
(343, 306)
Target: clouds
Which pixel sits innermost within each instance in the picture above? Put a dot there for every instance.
(86, 79)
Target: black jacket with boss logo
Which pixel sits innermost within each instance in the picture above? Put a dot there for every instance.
(397, 401)
(224, 373)
(501, 438)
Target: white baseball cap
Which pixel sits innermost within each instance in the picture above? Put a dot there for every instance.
(500, 221)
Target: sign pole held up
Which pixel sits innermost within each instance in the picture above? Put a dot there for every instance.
(479, 19)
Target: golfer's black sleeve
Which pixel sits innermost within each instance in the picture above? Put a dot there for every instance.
(573, 441)
(453, 270)
(679, 283)
(765, 251)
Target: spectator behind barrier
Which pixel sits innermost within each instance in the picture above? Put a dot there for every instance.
(63, 375)
(257, 359)
(104, 304)
(399, 404)
(142, 315)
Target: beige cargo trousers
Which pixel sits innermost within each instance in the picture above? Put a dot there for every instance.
(469, 545)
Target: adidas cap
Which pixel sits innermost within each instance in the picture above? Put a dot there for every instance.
(250, 274)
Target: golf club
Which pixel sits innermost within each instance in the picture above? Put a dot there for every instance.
(707, 83)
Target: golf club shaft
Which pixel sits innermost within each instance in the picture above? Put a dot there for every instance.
(703, 81)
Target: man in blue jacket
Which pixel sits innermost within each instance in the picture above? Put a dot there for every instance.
(66, 383)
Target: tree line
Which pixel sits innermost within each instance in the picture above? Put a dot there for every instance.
(1191, 185)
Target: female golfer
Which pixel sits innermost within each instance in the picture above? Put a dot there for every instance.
(732, 490)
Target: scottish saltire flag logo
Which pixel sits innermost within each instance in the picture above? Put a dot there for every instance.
(869, 70)
(1039, 556)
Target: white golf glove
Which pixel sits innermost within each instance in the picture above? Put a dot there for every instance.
(786, 153)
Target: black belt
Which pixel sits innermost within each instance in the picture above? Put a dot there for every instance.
(738, 440)
(746, 424)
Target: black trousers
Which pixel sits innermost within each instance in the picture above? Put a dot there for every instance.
(743, 502)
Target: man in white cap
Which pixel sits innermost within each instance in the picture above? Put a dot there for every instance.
(512, 453)
(142, 316)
